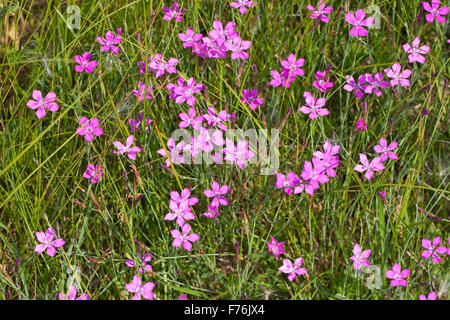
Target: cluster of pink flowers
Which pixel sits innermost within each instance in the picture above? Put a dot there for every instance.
(291, 69)
(183, 91)
(217, 193)
(220, 41)
(376, 164)
(314, 173)
(366, 83)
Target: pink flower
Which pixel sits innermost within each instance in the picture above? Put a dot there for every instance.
(175, 152)
(375, 83)
(315, 105)
(416, 51)
(398, 76)
(275, 247)
(359, 257)
(287, 182)
(41, 104)
(216, 120)
(217, 193)
(292, 66)
(173, 12)
(180, 212)
(186, 93)
(242, 5)
(375, 165)
(212, 212)
(359, 22)
(190, 119)
(433, 249)
(109, 42)
(84, 63)
(385, 150)
(314, 173)
(189, 38)
(127, 148)
(136, 287)
(94, 173)
(183, 237)
(285, 79)
(47, 242)
(160, 66)
(72, 295)
(435, 11)
(182, 297)
(292, 270)
(320, 12)
(239, 153)
(328, 158)
(142, 263)
(431, 296)
(359, 86)
(184, 197)
(321, 81)
(141, 92)
(251, 98)
(237, 46)
(397, 275)
(89, 128)
(221, 34)
(361, 125)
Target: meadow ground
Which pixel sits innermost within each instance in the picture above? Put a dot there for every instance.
(44, 159)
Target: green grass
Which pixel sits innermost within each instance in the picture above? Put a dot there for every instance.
(42, 161)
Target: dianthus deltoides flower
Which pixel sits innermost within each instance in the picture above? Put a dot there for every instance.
(47, 242)
(89, 128)
(276, 248)
(140, 290)
(433, 249)
(293, 270)
(360, 257)
(94, 173)
(72, 295)
(43, 104)
(84, 64)
(397, 275)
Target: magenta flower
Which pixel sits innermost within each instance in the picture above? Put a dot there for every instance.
(303, 185)
(84, 63)
(186, 93)
(94, 173)
(315, 105)
(292, 66)
(416, 51)
(375, 165)
(435, 11)
(217, 193)
(242, 5)
(385, 150)
(189, 38)
(183, 237)
(359, 257)
(140, 290)
(292, 270)
(431, 296)
(212, 212)
(180, 212)
(361, 125)
(328, 158)
(359, 86)
(251, 98)
(221, 34)
(47, 242)
(142, 263)
(127, 148)
(275, 247)
(239, 153)
(141, 92)
(285, 79)
(398, 76)
(321, 81)
(184, 197)
(89, 128)
(359, 22)
(320, 12)
(190, 119)
(109, 42)
(397, 275)
(216, 120)
(287, 182)
(135, 123)
(182, 297)
(375, 83)
(160, 66)
(314, 173)
(433, 249)
(42, 104)
(175, 152)
(173, 12)
(237, 46)
(72, 295)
